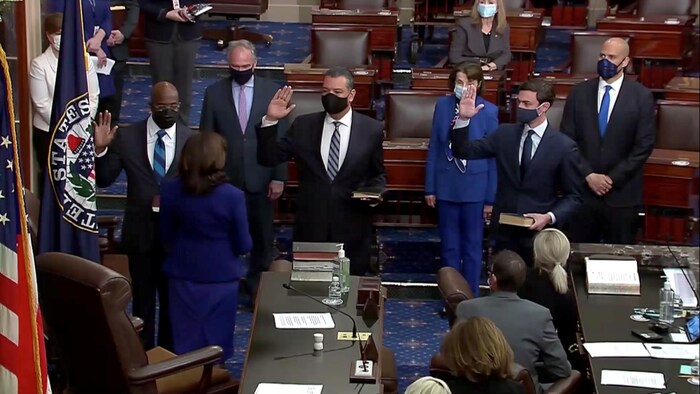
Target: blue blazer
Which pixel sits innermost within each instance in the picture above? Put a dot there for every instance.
(442, 178)
(205, 235)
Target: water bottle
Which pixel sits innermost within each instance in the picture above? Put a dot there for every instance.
(694, 379)
(666, 295)
(334, 293)
(344, 264)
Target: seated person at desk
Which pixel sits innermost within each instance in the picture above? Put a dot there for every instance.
(547, 284)
(477, 40)
(527, 326)
(480, 358)
(204, 224)
(462, 190)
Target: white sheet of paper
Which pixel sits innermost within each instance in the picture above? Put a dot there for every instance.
(107, 69)
(673, 351)
(652, 380)
(623, 272)
(303, 320)
(616, 349)
(276, 388)
(679, 337)
(680, 285)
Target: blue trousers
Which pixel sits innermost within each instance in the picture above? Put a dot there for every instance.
(461, 226)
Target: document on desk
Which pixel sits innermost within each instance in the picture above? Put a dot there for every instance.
(277, 388)
(673, 351)
(651, 380)
(303, 320)
(616, 349)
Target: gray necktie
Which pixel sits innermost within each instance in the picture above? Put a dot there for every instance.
(334, 152)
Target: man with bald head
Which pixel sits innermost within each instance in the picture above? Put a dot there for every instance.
(148, 152)
(611, 118)
(528, 327)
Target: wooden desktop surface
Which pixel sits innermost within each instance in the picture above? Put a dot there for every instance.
(286, 356)
(683, 89)
(652, 37)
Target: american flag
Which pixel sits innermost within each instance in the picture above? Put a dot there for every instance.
(22, 354)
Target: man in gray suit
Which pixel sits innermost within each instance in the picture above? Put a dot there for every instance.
(232, 107)
(527, 326)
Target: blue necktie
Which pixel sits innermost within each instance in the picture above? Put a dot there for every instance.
(604, 111)
(526, 156)
(159, 157)
(334, 152)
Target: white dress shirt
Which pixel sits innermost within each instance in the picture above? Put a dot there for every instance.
(614, 92)
(169, 140)
(536, 139)
(42, 82)
(328, 130)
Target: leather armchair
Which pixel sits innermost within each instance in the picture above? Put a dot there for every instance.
(340, 47)
(585, 52)
(678, 125)
(453, 289)
(409, 113)
(307, 101)
(657, 7)
(556, 112)
(83, 304)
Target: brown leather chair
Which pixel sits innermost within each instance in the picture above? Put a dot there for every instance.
(83, 304)
(556, 112)
(585, 50)
(453, 289)
(340, 47)
(307, 101)
(409, 113)
(234, 10)
(518, 373)
(678, 125)
(517, 4)
(389, 372)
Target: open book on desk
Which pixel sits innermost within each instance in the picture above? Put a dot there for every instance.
(612, 275)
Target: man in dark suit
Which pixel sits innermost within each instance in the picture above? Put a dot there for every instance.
(231, 108)
(336, 152)
(148, 151)
(118, 42)
(172, 38)
(528, 327)
(612, 121)
(535, 164)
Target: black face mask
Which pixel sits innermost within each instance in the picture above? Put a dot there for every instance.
(333, 104)
(241, 77)
(165, 118)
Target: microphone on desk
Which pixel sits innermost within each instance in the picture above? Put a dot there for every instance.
(307, 295)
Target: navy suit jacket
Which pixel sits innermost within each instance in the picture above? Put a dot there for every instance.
(553, 170)
(204, 235)
(442, 178)
(219, 115)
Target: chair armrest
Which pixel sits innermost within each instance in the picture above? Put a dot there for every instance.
(137, 322)
(307, 59)
(200, 357)
(566, 385)
(107, 221)
(630, 9)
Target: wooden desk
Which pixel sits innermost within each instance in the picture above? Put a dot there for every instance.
(683, 89)
(286, 356)
(307, 77)
(383, 25)
(657, 46)
(438, 79)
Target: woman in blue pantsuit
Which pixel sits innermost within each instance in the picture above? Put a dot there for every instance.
(463, 191)
(205, 229)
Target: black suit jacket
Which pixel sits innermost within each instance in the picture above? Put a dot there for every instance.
(121, 52)
(161, 29)
(629, 138)
(325, 211)
(552, 171)
(128, 152)
(220, 115)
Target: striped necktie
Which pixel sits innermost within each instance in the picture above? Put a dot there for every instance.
(159, 157)
(334, 152)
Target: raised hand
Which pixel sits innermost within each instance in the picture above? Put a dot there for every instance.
(467, 105)
(104, 133)
(279, 106)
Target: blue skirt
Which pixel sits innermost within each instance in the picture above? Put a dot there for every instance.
(203, 314)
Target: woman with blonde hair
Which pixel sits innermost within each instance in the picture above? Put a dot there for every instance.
(428, 385)
(477, 354)
(547, 284)
(484, 38)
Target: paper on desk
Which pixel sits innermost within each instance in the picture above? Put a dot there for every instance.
(679, 337)
(673, 351)
(652, 380)
(616, 349)
(276, 388)
(303, 320)
(679, 279)
(106, 69)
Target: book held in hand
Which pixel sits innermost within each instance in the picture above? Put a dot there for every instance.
(514, 219)
(367, 194)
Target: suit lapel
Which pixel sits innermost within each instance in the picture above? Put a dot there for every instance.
(143, 147)
(542, 147)
(593, 106)
(180, 139)
(477, 46)
(231, 103)
(317, 137)
(256, 108)
(513, 154)
(616, 114)
(352, 146)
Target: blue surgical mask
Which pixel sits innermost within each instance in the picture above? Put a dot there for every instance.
(459, 91)
(606, 68)
(526, 116)
(486, 10)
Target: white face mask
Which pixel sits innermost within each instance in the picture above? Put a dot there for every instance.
(57, 42)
